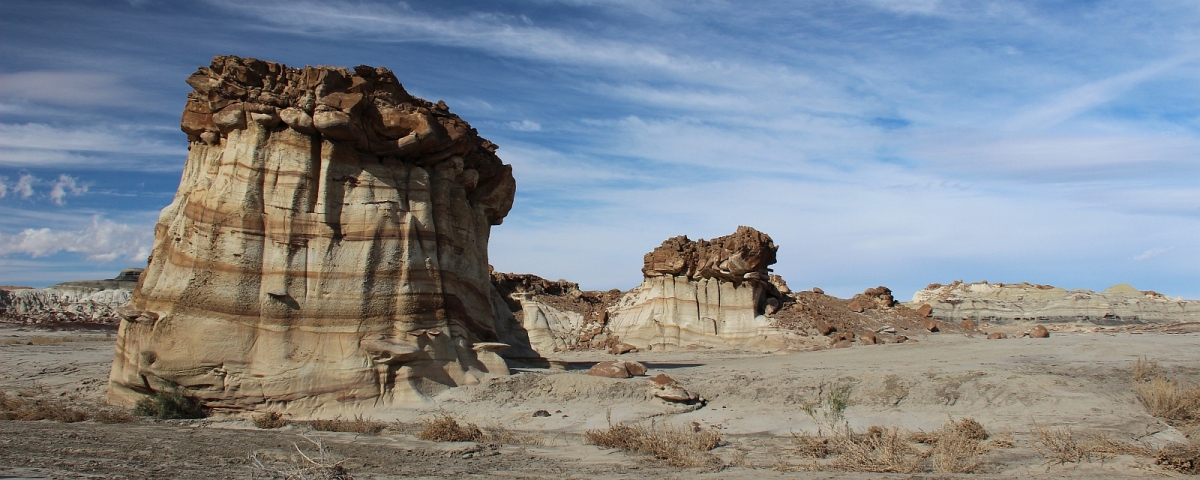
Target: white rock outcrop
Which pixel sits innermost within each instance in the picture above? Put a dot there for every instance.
(1003, 303)
(88, 301)
(713, 294)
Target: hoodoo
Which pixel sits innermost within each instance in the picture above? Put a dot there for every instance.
(706, 293)
(326, 251)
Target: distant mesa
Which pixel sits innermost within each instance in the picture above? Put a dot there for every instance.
(1010, 303)
(90, 302)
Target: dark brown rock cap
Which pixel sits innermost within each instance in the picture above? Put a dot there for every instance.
(364, 107)
(745, 254)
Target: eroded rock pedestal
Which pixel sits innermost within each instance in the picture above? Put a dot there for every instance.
(712, 293)
(326, 251)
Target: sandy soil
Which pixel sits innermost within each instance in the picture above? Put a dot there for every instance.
(755, 400)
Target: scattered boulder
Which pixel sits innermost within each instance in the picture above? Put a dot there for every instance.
(824, 328)
(617, 369)
(611, 369)
(925, 310)
(931, 325)
(842, 344)
(817, 290)
(541, 413)
(668, 389)
(841, 336)
(997, 336)
(1038, 331)
(968, 325)
(856, 307)
(868, 338)
(622, 348)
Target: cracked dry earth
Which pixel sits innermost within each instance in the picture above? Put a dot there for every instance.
(1077, 380)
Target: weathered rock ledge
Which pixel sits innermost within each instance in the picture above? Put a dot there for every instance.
(1003, 303)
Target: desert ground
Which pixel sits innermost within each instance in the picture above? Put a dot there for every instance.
(760, 404)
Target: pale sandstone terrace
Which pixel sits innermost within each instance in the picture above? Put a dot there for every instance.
(326, 250)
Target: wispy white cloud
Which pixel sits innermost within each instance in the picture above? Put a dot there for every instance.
(101, 241)
(3, 186)
(525, 126)
(64, 186)
(1091, 95)
(1153, 252)
(37, 145)
(24, 186)
(70, 88)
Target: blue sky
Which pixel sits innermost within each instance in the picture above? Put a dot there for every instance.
(878, 142)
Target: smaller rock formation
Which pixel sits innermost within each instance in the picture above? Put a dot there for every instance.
(707, 293)
(87, 301)
(1039, 331)
(1008, 303)
(997, 336)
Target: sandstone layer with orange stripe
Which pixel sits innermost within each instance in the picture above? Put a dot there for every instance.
(326, 252)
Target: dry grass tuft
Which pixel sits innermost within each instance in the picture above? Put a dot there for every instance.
(270, 420)
(678, 447)
(319, 466)
(446, 429)
(1059, 446)
(39, 407)
(954, 448)
(498, 435)
(1144, 369)
(358, 424)
(1169, 400)
(883, 452)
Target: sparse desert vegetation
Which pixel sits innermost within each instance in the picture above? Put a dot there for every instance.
(675, 446)
(168, 405)
(356, 424)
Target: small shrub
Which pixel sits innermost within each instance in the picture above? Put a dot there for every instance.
(498, 435)
(677, 447)
(1169, 400)
(30, 408)
(958, 445)
(1144, 369)
(810, 446)
(883, 452)
(269, 420)
(1059, 446)
(172, 404)
(446, 429)
(319, 466)
(358, 424)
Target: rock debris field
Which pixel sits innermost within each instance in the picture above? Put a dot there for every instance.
(755, 401)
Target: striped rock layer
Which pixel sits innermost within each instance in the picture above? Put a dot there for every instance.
(326, 251)
(708, 294)
(1005, 303)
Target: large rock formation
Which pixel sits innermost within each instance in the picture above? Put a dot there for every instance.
(326, 251)
(1003, 303)
(702, 293)
(86, 301)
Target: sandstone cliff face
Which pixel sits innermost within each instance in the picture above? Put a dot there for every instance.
(1023, 302)
(88, 301)
(326, 251)
(556, 316)
(703, 294)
